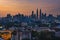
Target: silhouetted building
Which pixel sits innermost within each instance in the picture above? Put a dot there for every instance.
(33, 16)
(40, 14)
(37, 13)
(51, 18)
(9, 18)
(43, 16)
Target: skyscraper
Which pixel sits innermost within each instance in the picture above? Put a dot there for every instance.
(32, 13)
(37, 13)
(40, 14)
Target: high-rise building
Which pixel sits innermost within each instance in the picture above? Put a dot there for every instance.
(37, 13)
(40, 14)
(32, 13)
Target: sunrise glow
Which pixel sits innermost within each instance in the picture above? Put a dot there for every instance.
(26, 6)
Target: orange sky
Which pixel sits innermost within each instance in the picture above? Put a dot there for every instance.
(26, 6)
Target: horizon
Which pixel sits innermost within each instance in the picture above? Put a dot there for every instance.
(27, 6)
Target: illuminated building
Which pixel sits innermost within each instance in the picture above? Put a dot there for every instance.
(5, 34)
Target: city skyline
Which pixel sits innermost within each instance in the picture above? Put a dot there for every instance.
(26, 6)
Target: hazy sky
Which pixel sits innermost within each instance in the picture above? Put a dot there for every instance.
(26, 6)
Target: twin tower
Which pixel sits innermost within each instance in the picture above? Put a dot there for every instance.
(38, 14)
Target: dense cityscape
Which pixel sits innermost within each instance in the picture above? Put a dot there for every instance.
(37, 26)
